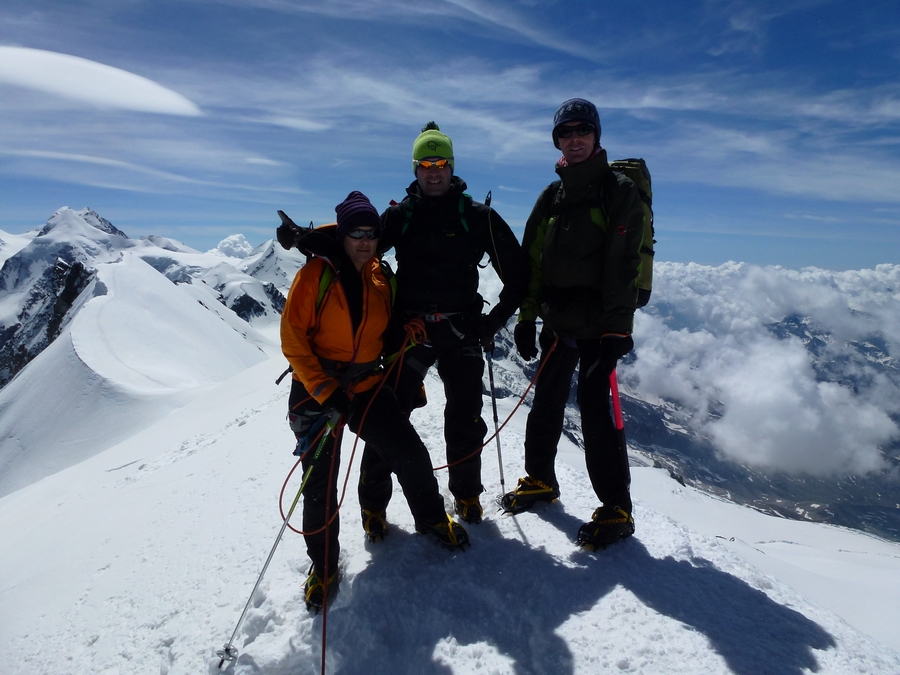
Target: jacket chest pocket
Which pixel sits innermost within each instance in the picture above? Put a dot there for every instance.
(573, 249)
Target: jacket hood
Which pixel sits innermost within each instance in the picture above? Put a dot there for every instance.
(580, 180)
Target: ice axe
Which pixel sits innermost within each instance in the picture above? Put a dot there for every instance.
(617, 412)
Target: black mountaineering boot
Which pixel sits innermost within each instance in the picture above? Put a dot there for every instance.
(315, 589)
(607, 525)
(529, 491)
(469, 509)
(450, 534)
(374, 524)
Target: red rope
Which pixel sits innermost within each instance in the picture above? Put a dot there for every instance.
(509, 417)
(415, 331)
(398, 364)
(328, 520)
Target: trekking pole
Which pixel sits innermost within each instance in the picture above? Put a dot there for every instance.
(229, 652)
(490, 360)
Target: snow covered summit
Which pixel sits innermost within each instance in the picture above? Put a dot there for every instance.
(124, 328)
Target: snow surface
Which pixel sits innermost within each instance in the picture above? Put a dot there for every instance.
(141, 558)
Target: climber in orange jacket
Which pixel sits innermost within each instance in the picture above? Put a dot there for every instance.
(331, 333)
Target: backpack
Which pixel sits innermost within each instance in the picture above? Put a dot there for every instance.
(328, 275)
(637, 171)
(465, 201)
(328, 271)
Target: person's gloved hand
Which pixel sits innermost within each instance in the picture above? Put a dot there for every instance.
(488, 326)
(338, 401)
(614, 347)
(525, 335)
(288, 235)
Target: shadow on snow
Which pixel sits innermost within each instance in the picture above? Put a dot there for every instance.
(413, 596)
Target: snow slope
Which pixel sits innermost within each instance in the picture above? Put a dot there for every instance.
(140, 560)
(139, 347)
(10, 244)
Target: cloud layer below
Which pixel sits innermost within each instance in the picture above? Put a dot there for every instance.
(791, 371)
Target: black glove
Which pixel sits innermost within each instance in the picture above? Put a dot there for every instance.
(338, 401)
(525, 335)
(614, 347)
(488, 326)
(288, 235)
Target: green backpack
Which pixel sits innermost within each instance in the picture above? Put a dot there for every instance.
(328, 275)
(637, 171)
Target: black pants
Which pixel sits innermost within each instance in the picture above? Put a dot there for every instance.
(376, 416)
(607, 463)
(453, 346)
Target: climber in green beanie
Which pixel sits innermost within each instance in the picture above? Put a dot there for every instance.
(440, 235)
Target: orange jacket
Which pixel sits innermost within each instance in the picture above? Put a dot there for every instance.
(307, 334)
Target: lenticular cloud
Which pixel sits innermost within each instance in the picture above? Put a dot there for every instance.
(86, 81)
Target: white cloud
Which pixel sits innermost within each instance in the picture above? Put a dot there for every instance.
(706, 344)
(296, 123)
(124, 175)
(501, 22)
(777, 415)
(85, 81)
(263, 161)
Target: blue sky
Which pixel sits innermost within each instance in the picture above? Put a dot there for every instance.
(772, 129)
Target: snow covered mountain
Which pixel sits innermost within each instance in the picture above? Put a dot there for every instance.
(40, 281)
(77, 299)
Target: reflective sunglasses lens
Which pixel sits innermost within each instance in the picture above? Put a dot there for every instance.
(438, 164)
(362, 234)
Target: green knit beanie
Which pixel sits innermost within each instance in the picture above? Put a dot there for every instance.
(432, 143)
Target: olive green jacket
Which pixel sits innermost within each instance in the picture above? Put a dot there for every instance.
(583, 241)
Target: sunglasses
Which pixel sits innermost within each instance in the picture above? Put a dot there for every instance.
(362, 234)
(581, 130)
(437, 164)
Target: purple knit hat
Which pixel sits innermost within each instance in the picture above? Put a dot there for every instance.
(354, 212)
